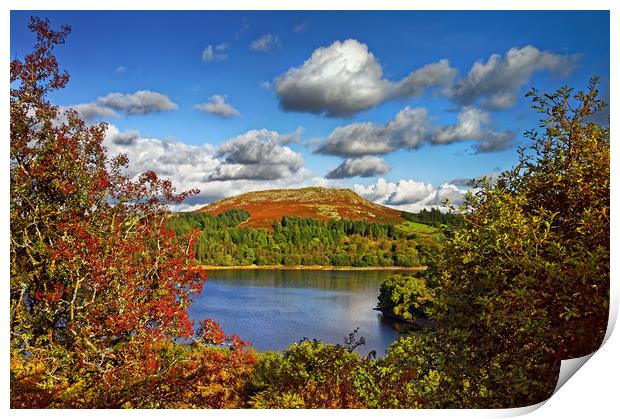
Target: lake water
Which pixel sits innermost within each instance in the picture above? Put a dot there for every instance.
(273, 309)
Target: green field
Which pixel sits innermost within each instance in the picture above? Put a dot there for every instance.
(411, 227)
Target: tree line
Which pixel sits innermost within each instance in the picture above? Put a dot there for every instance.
(433, 217)
(300, 241)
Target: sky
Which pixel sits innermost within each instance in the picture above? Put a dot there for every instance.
(401, 107)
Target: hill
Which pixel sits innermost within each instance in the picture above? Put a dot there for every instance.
(313, 202)
(309, 227)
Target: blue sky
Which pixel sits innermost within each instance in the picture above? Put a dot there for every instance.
(395, 105)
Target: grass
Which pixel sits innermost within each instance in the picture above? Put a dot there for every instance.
(410, 228)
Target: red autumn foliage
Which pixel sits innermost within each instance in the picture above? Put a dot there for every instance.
(99, 285)
(210, 332)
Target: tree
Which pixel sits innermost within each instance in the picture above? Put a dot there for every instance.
(99, 286)
(406, 297)
(525, 282)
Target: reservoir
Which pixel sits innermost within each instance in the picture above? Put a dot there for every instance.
(275, 308)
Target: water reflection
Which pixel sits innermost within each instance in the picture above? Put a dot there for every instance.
(276, 308)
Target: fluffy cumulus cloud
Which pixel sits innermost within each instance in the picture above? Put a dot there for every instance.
(411, 128)
(495, 141)
(377, 192)
(366, 166)
(439, 73)
(265, 43)
(215, 53)
(92, 111)
(345, 78)
(142, 102)
(184, 164)
(256, 160)
(258, 155)
(217, 105)
(409, 192)
(472, 124)
(495, 83)
(114, 137)
(411, 195)
(469, 125)
(408, 129)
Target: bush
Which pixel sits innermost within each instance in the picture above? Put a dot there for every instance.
(309, 374)
(406, 296)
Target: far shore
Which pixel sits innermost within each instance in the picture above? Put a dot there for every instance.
(314, 268)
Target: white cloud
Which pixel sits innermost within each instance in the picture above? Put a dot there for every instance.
(214, 54)
(217, 106)
(491, 177)
(345, 78)
(377, 192)
(433, 74)
(142, 102)
(495, 141)
(365, 166)
(258, 154)
(408, 129)
(468, 126)
(472, 124)
(186, 165)
(256, 160)
(411, 195)
(118, 138)
(495, 83)
(265, 43)
(92, 111)
(409, 192)
(411, 128)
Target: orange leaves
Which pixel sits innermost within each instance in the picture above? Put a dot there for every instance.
(99, 285)
(93, 270)
(211, 333)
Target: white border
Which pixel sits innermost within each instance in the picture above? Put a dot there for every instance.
(311, 5)
(591, 393)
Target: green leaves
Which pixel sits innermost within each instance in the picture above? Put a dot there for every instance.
(524, 283)
(513, 282)
(309, 374)
(406, 296)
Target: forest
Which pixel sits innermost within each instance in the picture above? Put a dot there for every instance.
(100, 286)
(303, 241)
(433, 217)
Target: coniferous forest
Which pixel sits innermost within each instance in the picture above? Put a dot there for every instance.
(305, 241)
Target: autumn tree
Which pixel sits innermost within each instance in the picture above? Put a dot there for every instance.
(524, 283)
(99, 286)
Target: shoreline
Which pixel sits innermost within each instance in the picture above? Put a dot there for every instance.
(312, 268)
